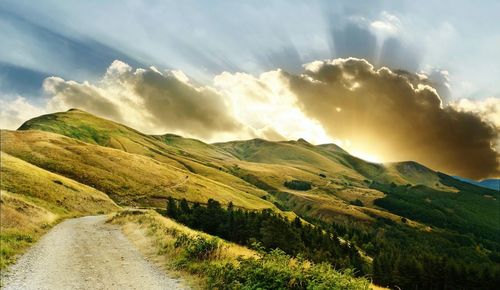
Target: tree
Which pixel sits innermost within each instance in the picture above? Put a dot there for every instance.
(172, 207)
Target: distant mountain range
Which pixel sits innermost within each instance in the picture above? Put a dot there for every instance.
(493, 183)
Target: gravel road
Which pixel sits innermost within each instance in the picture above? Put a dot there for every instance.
(86, 253)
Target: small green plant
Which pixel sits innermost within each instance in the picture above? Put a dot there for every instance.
(298, 185)
(197, 248)
(276, 270)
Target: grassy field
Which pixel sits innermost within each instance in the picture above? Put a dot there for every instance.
(33, 200)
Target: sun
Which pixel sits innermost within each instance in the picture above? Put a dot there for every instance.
(366, 156)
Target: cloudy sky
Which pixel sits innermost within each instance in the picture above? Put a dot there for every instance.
(386, 80)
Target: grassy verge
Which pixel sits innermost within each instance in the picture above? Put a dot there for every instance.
(218, 264)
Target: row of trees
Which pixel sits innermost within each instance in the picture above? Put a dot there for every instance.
(270, 230)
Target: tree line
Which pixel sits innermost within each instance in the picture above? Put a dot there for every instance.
(270, 230)
(403, 257)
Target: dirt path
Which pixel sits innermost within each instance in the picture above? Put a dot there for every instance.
(86, 253)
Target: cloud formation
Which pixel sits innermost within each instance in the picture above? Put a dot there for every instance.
(15, 112)
(147, 99)
(393, 115)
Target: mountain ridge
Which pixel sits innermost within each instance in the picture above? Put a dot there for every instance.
(258, 167)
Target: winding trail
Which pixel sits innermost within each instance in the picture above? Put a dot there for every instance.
(86, 253)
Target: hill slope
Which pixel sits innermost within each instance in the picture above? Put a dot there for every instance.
(33, 199)
(129, 179)
(183, 153)
(252, 174)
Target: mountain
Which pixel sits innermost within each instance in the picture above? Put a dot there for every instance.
(492, 183)
(129, 179)
(405, 218)
(139, 169)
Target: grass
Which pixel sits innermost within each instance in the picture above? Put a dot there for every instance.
(225, 171)
(33, 200)
(182, 153)
(129, 179)
(141, 170)
(211, 263)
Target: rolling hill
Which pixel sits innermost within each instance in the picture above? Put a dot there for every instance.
(139, 169)
(74, 163)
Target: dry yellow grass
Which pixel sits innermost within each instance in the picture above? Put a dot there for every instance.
(155, 236)
(129, 179)
(182, 153)
(32, 200)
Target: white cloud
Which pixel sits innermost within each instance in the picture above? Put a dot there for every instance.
(14, 113)
(388, 25)
(266, 104)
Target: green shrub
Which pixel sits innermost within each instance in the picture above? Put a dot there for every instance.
(197, 248)
(276, 270)
(298, 185)
(357, 202)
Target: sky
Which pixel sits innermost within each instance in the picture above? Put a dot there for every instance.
(386, 80)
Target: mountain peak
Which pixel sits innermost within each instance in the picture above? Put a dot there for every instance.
(76, 110)
(303, 141)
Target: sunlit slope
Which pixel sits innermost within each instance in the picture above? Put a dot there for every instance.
(296, 154)
(32, 199)
(129, 179)
(57, 193)
(194, 146)
(184, 153)
(330, 160)
(88, 128)
(340, 183)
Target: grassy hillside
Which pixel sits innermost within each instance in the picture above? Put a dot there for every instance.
(258, 167)
(340, 183)
(183, 153)
(294, 154)
(194, 146)
(33, 199)
(129, 179)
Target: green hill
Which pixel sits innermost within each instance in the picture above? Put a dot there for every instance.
(185, 154)
(129, 179)
(406, 218)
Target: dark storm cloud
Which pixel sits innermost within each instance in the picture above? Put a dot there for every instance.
(390, 112)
